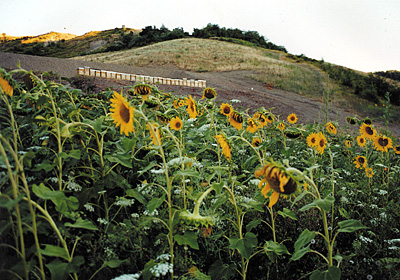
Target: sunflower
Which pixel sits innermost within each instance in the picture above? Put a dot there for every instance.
(270, 118)
(256, 142)
(331, 128)
(191, 109)
(312, 139)
(176, 104)
(292, 118)
(142, 89)
(321, 143)
(351, 120)
(360, 162)
(397, 149)
(154, 133)
(209, 93)
(226, 150)
(6, 87)
(277, 180)
(226, 109)
(361, 141)
(236, 120)
(383, 143)
(367, 121)
(122, 113)
(368, 172)
(281, 126)
(175, 123)
(367, 131)
(347, 143)
(252, 125)
(260, 117)
(181, 103)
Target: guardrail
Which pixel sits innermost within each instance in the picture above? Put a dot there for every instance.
(87, 71)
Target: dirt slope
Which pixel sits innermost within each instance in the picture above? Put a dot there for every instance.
(229, 85)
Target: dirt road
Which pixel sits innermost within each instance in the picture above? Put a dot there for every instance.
(229, 85)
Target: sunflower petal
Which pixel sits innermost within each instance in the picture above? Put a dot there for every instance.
(273, 199)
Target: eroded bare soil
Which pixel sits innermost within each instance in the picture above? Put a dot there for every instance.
(229, 85)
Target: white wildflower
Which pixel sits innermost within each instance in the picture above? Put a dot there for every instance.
(88, 207)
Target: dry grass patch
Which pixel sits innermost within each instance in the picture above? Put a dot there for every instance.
(202, 55)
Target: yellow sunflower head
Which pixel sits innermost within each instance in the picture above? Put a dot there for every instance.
(361, 141)
(122, 113)
(369, 172)
(226, 109)
(181, 103)
(252, 125)
(191, 109)
(275, 178)
(270, 118)
(154, 133)
(360, 162)
(6, 87)
(292, 118)
(256, 142)
(367, 131)
(223, 142)
(281, 126)
(209, 93)
(261, 118)
(321, 143)
(382, 143)
(142, 89)
(236, 120)
(347, 143)
(176, 104)
(397, 149)
(331, 128)
(176, 123)
(312, 139)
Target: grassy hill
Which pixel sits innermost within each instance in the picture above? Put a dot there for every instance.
(205, 55)
(65, 45)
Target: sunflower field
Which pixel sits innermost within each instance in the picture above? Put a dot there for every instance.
(143, 184)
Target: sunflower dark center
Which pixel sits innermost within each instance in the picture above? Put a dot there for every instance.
(383, 142)
(313, 140)
(178, 125)
(369, 130)
(322, 142)
(256, 143)
(227, 110)
(209, 94)
(361, 140)
(361, 160)
(124, 113)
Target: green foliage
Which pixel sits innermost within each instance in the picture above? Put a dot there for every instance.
(79, 199)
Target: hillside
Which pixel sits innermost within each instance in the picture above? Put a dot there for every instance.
(65, 45)
(205, 55)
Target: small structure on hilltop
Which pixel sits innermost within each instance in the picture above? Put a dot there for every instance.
(87, 71)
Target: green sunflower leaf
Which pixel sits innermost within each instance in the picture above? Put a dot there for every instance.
(219, 270)
(244, 246)
(187, 173)
(333, 273)
(350, 226)
(154, 203)
(80, 223)
(188, 238)
(305, 237)
(287, 213)
(279, 249)
(54, 251)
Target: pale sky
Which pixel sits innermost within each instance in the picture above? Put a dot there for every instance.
(360, 34)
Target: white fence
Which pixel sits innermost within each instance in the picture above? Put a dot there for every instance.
(87, 71)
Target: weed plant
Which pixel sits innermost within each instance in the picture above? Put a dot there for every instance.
(143, 184)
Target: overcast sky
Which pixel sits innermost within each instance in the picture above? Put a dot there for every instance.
(361, 34)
